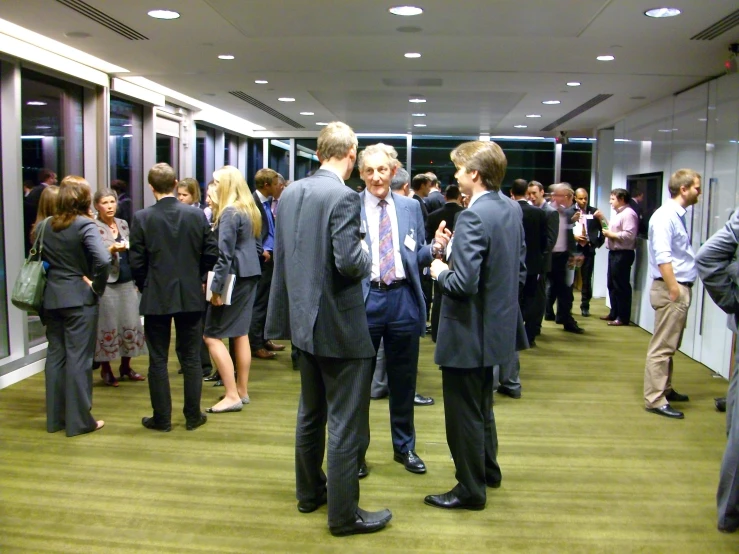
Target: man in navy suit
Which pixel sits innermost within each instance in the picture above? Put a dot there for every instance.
(394, 301)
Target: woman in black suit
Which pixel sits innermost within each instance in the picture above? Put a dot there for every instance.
(238, 223)
(77, 275)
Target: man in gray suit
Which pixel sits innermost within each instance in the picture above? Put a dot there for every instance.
(719, 272)
(316, 302)
(481, 324)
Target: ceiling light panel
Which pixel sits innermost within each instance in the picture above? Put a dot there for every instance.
(551, 102)
(164, 14)
(226, 57)
(406, 11)
(606, 58)
(662, 12)
(573, 84)
(412, 55)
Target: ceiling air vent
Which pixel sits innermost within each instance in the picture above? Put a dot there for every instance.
(265, 108)
(594, 101)
(105, 20)
(718, 28)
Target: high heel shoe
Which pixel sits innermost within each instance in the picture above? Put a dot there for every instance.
(131, 374)
(107, 375)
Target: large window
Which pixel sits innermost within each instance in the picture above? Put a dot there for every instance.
(306, 160)
(126, 151)
(279, 156)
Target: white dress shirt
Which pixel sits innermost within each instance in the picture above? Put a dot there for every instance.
(372, 212)
(669, 242)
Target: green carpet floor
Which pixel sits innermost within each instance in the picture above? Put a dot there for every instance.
(585, 468)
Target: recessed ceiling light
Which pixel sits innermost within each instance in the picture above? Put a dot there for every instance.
(226, 57)
(286, 99)
(533, 115)
(606, 58)
(77, 34)
(35, 103)
(551, 102)
(406, 11)
(662, 12)
(164, 14)
(261, 82)
(321, 123)
(520, 126)
(419, 115)
(412, 55)
(417, 100)
(307, 113)
(419, 125)
(573, 84)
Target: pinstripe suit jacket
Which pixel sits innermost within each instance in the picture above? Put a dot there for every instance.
(316, 295)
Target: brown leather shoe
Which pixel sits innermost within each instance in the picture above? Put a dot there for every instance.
(272, 347)
(605, 318)
(264, 354)
(617, 323)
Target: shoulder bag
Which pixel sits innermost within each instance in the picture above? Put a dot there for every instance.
(28, 290)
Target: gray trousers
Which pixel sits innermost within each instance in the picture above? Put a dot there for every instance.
(335, 392)
(727, 496)
(71, 334)
(509, 374)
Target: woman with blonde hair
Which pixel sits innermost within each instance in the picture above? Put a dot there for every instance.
(79, 265)
(238, 224)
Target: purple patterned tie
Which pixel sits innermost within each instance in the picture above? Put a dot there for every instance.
(387, 252)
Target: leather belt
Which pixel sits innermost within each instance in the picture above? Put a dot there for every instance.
(689, 285)
(381, 285)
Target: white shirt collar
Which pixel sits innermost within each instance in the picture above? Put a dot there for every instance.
(678, 208)
(335, 172)
(262, 198)
(476, 196)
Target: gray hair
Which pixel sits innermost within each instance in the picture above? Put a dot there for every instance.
(400, 180)
(386, 149)
(564, 187)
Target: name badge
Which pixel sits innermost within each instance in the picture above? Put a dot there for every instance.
(410, 244)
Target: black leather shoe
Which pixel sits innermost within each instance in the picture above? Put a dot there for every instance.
(674, 396)
(549, 317)
(667, 411)
(411, 461)
(365, 522)
(449, 501)
(212, 377)
(502, 389)
(308, 506)
(573, 327)
(419, 400)
(194, 424)
(585, 312)
(493, 484)
(363, 471)
(149, 423)
(727, 529)
(720, 404)
(180, 372)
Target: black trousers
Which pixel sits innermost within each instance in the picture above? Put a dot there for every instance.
(204, 352)
(259, 312)
(586, 273)
(560, 290)
(619, 283)
(427, 287)
(189, 330)
(336, 392)
(470, 430)
(538, 306)
(530, 311)
(435, 311)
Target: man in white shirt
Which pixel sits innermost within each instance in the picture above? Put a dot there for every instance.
(672, 266)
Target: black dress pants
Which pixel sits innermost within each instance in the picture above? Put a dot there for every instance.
(619, 283)
(530, 311)
(261, 302)
(561, 291)
(586, 273)
(189, 329)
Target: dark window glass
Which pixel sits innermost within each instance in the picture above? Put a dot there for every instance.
(168, 149)
(577, 162)
(126, 154)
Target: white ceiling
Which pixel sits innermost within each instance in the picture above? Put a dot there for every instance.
(497, 59)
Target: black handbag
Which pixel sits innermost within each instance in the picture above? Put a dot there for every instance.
(28, 290)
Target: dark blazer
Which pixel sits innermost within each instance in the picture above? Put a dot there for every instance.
(237, 249)
(552, 233)
(535, 234)
(171, 248)
(265, 221)
(424, 210)
(125, 207)
(434, 201)
(447, 213)
(410, 224)
(481, 323)
(324, 312)
(717, 267)
(71, 253)
(595, 233)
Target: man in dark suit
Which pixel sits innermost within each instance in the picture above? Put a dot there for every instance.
(420, 186)
(447, 213)
(535, 195)
(46, 178)
(266, 182)
(588, 240)
(393, 298)
(320, 259)
(481, 324)
(166, 236)
(435, 199)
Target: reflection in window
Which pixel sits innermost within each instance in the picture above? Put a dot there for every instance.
(168, 150)
(126, 155)
(51, 133)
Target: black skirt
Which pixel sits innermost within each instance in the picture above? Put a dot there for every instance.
(223, 322)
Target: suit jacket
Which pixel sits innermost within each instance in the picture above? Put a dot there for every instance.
(552, 233)
(595, 234)
(108, 240)
(237, 249)
(316, 295)
(171, 248)
(481, 323)
(536, 237)
(72, 253)
(410, 224)
(447, 213)
(424, 210)
(434, 201)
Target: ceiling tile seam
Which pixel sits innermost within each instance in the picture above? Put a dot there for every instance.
(592, 20)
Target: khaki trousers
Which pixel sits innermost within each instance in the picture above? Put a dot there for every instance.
(669, 324)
